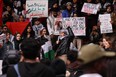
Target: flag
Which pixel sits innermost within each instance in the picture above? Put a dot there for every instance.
(1, 9)
(15, 27)
(48, 52)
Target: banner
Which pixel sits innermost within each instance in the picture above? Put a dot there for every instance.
(36, 8)
(90, 8)
(1, 9)
(15, 27)
(106, 26)
(77, 24)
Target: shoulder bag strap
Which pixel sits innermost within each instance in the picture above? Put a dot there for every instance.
(17, 70)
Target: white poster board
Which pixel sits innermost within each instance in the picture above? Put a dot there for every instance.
(90, 8)
(36, 8)
(105, 26)
(77, 24)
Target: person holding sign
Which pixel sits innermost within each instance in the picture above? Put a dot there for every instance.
(91, 17)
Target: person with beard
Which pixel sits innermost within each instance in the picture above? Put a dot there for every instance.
(51, 24)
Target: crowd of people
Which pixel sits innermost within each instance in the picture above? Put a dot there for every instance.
(45, 49)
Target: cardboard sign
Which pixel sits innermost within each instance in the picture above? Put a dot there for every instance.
(36, 8)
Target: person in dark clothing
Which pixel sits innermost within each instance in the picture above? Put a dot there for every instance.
(72, 63)
(17, 41)
(29, 65)
(59, 67)
(65, 43)
(28, 32)
(59, 64)
(43, 37)
(11, 58)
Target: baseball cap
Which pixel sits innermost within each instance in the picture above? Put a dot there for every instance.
(92, 52)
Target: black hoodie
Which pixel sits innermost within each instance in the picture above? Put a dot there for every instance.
(31, 70)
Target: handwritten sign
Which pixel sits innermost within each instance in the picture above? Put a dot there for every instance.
(90, 8)
(67, 22)
(104, 18)
(106, 26)
(77, 24)
(36, 8)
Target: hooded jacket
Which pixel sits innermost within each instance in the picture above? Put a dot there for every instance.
(31, 70)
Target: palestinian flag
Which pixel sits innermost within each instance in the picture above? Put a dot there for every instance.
(48, 52)
(15, 27)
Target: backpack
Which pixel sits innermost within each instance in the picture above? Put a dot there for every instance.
(11, 57)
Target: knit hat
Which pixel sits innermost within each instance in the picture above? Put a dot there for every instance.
(92, 52)
(68, 3)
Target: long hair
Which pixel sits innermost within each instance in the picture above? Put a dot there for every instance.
(32, 33)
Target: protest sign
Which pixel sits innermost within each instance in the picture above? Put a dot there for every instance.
(57, 26)
(106, 26)
(36, 8)
(77, 25)
(104, 18)
(90, 8)
(67, 22)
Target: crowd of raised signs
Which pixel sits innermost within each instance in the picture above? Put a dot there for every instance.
(92, 21)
